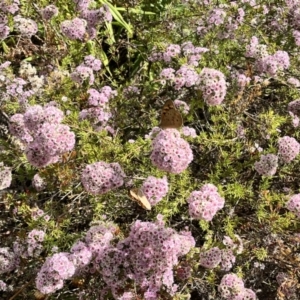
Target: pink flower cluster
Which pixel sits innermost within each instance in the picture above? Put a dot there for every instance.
(40, 130)
(82, 74)
(296, 35)
(32, 246)
(16, 87)
(9, 6)
(147, 257)
(38, 182)
(182, 106)
(26, 27)
(288, 148)
(188, 131)
(8, 260)
(192, 53)
(170, 152)
(4, 29)
(273, 63)
(92, 62)
(74, 29)
(88, 21)
(214, 256)
(211, 258)
(131, 91)
(241, 80)
(267, 165)
(54, 271)
(204, 204)
(213, 86)
(98, 111)
(38, 214)
(5, 177)
(63, 265)
(232, 288)
(293, 204)
(49, 12)
(150, 262)
(186, 76)
(155, 189)
(294, 111)
(265, 63)
(85, 70)
(3, 286)
(100, 177)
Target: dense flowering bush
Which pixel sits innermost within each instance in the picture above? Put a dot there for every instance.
(101, 177)
(205, 203)
(147, 256)
(99, 72)
(170, 152)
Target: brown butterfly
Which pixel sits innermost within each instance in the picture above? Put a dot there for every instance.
(170, 117)
(138, 196)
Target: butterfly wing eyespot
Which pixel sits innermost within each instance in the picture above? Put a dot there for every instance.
(138, 196)
(170, 116)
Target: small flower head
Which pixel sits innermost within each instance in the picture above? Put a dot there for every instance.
(8, 260)
(170, 152)
(204, 204)
(82, 73)
(49, 12)
(26, 27)
(213, 86)
(288, 149)
(293, 204)
(101, 177)
(211, 258)
(38, 182)
(267, 165)
(74, 29)
(155, 189)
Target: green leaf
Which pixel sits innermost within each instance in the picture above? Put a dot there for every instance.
(5, 47)
(118, 17)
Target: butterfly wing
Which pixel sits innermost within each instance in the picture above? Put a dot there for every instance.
(170, 116)
(138, 196)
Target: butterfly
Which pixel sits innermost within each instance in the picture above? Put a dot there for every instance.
(137, 195)
(170, 117)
